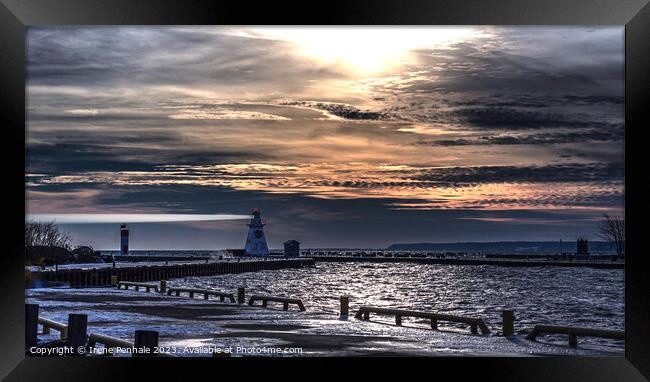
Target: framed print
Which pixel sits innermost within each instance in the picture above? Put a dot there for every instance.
(444, 185)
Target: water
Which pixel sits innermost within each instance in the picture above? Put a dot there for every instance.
(582, 297)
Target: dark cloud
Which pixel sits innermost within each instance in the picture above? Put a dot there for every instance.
(613, 134)
(125, 56)
(586, 172)
(512, 119)
(343, 110)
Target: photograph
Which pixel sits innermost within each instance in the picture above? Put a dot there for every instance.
(325, 191)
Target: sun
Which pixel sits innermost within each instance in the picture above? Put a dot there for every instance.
(365, 50)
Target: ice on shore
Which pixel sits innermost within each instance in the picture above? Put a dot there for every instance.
(185, 323)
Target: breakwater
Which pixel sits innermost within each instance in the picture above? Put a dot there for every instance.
(97, 277)
(505, 262)
(140, 258)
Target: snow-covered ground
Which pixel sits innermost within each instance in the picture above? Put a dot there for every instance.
(190, 325)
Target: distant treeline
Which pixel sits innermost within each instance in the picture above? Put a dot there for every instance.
(503, 247)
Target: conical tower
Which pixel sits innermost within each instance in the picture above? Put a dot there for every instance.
(256, 240)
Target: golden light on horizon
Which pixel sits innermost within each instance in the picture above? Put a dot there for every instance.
(402, 184)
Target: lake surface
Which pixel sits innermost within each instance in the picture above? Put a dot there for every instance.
(582, 297)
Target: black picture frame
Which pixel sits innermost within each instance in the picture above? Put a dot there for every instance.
(15, 15)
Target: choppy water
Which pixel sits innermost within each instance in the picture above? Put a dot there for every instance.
(539, 295)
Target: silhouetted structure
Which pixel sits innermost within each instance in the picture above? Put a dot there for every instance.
(582, 247)
(256, 241)
(291, 248)
(124, 240)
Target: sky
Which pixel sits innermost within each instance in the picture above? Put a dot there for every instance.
(342, 136)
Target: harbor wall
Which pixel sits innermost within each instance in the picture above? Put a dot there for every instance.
(97, 277)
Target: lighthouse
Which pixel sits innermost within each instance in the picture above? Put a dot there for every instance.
(256, 241)
(124, 240)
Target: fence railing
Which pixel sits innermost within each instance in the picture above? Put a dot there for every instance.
(475, 323)
(574, 332)
(286, 301)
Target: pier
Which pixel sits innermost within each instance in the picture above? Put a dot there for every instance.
(433, 258)
(98, 277)
(138, 258)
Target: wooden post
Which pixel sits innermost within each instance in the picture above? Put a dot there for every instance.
(573, 340)
(366, 315)
(31, 325)
(241, 295)
(77, 330)
(345, 306)
(434, 323)
(163, 286)
(508, 322)
(146, 339)
(113, 280)
(285, 306)
(398, 320)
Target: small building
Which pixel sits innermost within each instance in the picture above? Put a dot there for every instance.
(291, 248)
(582, 247)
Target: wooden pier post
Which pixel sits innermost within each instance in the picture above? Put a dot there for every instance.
(31, 325)
(573, 340)
(398, 320)
(113, 280)
(163, 286)
(146, 339)
(241, 295)
(77, 330)
(345, 307)
(508, 322)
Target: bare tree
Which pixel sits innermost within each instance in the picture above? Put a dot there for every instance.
(612, 229)
(45, 234)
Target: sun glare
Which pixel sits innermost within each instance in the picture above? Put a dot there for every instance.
(366, 51)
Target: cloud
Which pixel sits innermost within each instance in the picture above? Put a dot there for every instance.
(183, 120)
(342, 110)
(485, 187)
(205, 58)
(130, 218)
(584, 136)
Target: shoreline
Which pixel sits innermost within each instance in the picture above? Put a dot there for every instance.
(193, 323)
